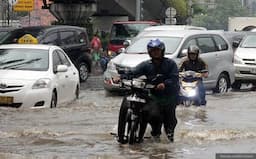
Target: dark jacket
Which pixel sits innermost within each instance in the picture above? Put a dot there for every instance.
(170, 75)
(193, 65)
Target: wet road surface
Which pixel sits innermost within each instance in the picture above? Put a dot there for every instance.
(81, 129)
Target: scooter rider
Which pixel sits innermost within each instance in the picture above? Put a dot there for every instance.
(165, 95)
(194, 63)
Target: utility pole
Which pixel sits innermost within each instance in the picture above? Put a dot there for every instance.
(189, 20)
(139, 10)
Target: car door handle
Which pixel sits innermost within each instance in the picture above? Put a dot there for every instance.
(66, 76)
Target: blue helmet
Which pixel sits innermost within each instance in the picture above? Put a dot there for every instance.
(156, 43)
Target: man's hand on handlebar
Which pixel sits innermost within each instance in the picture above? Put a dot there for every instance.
(160, 86)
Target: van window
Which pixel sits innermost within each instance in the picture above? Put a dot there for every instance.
(221, 43)
(190, 42)
(51, 38)
(67, 38)
(206, 44)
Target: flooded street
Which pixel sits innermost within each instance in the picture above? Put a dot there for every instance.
(81, 129)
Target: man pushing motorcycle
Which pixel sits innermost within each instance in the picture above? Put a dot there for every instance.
(161, 108)
(194, 63)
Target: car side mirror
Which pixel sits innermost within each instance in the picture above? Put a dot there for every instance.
(235, 44)
(184, 53)
(62, 68)
(127, 43)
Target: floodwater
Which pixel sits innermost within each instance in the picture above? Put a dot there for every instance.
(82, 129)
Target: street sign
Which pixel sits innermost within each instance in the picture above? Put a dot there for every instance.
(170, 12)
(23, 5)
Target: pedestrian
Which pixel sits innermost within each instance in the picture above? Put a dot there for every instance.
(96, 47)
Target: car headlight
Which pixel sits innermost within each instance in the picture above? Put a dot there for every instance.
(111, 66)
(237, 60)
(42, 83)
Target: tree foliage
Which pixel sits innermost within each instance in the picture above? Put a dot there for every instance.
(217, 18)
(181, 9)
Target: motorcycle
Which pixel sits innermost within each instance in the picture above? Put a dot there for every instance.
(189, 89)
(131, 127)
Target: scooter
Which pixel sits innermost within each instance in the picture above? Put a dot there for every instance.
(131, 127)
(189, 90)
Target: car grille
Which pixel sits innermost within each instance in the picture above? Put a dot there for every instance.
(9, 88)
(247, 72)
(249, 61)
(15, 105)
(119, 67)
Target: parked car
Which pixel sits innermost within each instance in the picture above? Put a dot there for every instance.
(245, 61)
(123, 30)
(5, 30)
(214, 49)
(168, 28)
(73, 40)
(36, 76)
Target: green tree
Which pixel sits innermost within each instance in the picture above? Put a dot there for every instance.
(217, 18)
(181, 8)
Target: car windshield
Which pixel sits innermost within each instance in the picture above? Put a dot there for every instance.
(249, 42)
(140, 45)
(24, 59)
(2, 33)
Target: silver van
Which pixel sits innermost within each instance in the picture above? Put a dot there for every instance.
(215, 50)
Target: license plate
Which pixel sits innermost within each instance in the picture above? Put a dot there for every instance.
(6, 100)
(253, 70)
(136, 99)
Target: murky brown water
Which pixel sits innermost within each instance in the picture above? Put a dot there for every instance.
(82, 130)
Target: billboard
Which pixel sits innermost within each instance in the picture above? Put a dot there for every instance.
(23, 5)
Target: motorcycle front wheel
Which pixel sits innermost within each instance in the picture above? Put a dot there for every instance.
(133, 135)
(123, 123)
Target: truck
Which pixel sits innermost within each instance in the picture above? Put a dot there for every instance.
(241, 23)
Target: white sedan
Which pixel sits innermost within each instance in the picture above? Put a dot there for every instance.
(36, 76)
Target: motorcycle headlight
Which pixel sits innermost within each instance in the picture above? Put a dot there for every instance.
(42, 83)
(237, 60)
(192, 93)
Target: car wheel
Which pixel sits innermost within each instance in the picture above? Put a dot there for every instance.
(54, 100)
(236, 85)
(77, 92)
(222, 84)
(83, 71)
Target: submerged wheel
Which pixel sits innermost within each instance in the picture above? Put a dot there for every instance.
(123, 123)
(83, 71)
(77, 92)
(134, 132)
(54, 100)
(222, 84)
(236, 85)
(187, 103)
